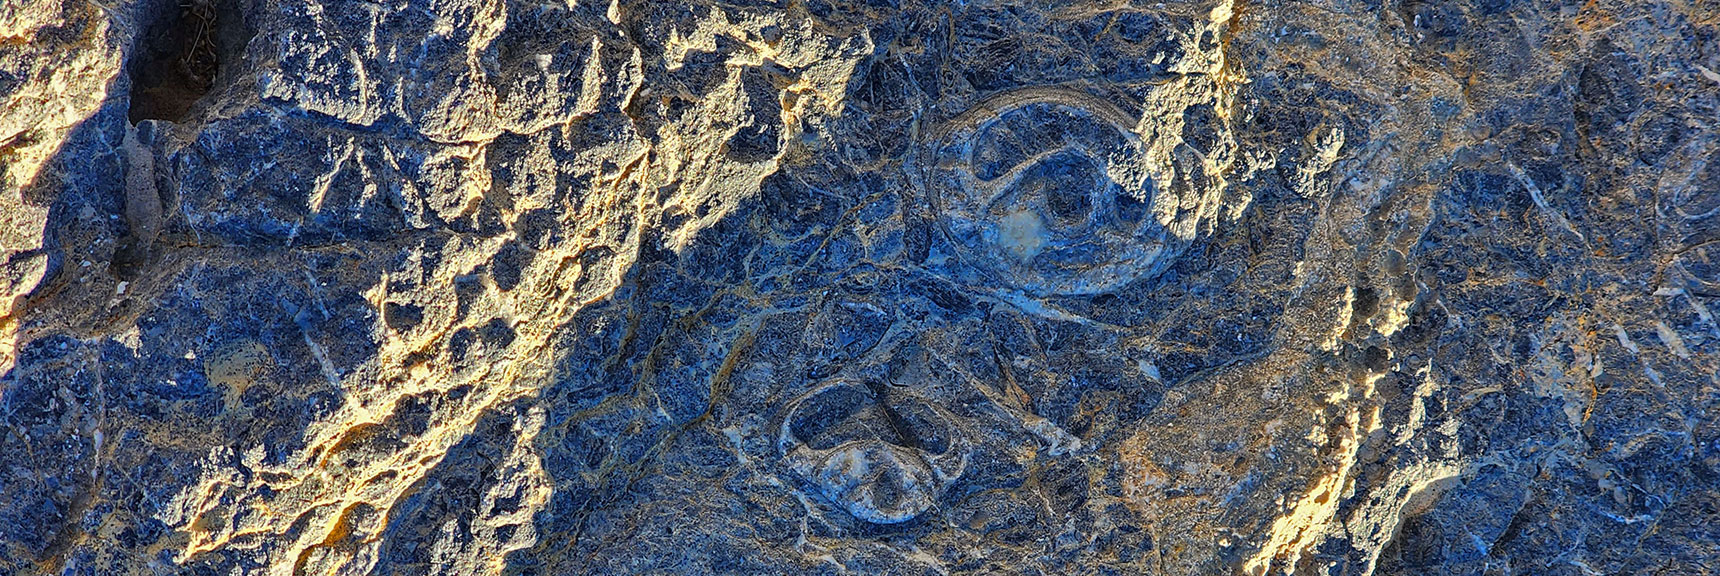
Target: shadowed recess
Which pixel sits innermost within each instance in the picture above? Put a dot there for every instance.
(179, 56)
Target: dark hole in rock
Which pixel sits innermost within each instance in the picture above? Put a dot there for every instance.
(498, 334)
(1365, 304)
(1376, 359)
(508, 266)
(403, 317)
(755, 143)
(1208, 41)
(179, 56)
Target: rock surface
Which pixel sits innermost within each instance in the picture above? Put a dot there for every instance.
(885, 287)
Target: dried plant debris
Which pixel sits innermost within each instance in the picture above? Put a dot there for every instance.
(294, 287)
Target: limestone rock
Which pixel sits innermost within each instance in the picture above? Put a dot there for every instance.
(887, 287)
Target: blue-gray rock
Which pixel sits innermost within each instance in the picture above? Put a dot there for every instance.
(471, 287)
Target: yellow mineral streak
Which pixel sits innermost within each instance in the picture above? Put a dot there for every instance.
(336, 475)
(1307, 522)
(710, 187)
(1208, 77)
(346, 469)
(1345, 310)
(34, 120)
(324, 489)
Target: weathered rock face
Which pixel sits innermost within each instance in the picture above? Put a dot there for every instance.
(506, 287)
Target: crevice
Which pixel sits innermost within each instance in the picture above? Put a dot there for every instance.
(183, 49)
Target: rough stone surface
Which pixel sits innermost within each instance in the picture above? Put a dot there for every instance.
(295, 287)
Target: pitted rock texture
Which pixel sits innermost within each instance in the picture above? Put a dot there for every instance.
(295, 287)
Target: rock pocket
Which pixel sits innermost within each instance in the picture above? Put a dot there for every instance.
(184, 49)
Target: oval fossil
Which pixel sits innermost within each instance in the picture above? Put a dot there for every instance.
(1044, 189)
(882, 458)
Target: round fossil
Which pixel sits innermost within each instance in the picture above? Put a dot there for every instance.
(882, 457)
(1044, 189)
